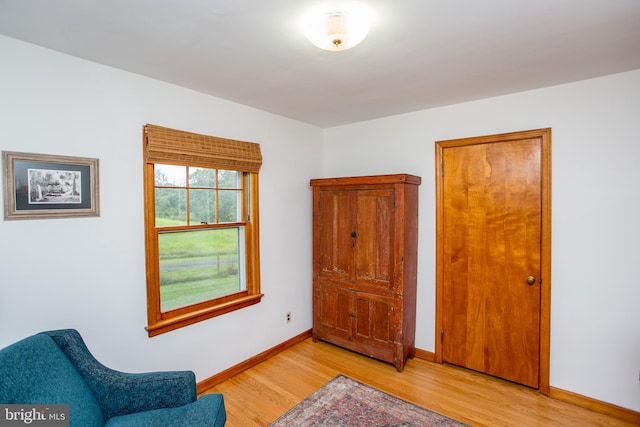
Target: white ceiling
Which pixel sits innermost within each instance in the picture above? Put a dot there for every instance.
(419, 54)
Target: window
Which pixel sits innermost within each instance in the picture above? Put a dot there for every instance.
(201, 226)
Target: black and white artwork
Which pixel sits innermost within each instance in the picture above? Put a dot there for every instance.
(49, 186)
(54, 186)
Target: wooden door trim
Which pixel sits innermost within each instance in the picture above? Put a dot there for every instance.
(545, 242)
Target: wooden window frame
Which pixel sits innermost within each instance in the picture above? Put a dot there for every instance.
(169, 146)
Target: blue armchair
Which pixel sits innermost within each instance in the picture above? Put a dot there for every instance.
(56, 367)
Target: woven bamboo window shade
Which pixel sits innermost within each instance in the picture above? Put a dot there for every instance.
(165, 145)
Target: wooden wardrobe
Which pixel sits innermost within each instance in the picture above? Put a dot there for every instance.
(365, 244)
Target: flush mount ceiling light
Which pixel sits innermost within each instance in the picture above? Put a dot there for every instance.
(335, 26)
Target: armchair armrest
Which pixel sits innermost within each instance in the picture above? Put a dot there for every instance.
(120, 393)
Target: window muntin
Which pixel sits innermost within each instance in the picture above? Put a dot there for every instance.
(209, 196)
(198, 189)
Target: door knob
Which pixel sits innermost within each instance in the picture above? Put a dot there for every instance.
(531, 280)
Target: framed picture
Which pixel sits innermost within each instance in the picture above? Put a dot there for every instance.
(48, 186)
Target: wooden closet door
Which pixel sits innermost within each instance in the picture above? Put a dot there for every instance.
(373, 272)
(373, 250)
(334, 222)
(334, 214)
(373, 325)
(332, 308)
(491, 258)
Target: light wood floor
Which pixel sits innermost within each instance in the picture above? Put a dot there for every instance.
(260, 395)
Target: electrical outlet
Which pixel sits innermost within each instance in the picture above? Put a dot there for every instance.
(289, 317)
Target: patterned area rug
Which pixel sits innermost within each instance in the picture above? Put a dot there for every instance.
(344, 402)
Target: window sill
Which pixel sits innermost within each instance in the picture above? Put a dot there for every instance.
(177, 322)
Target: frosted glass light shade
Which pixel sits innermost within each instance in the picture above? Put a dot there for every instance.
(334, 26)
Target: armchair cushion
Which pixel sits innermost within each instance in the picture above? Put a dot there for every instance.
(47, 377)
(196, 414)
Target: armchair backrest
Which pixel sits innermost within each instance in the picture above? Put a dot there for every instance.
(119, 393)
(36, 371)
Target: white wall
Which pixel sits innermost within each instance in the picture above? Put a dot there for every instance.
(89, 273)
(595, 313)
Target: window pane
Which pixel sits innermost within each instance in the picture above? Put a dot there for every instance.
(202, 206)
(230, 205)
(229, 179)
(171, 207)
(202, 177)
(170, 175)
(197, 266)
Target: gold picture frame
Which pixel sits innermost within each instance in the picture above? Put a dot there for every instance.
(38, 186)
